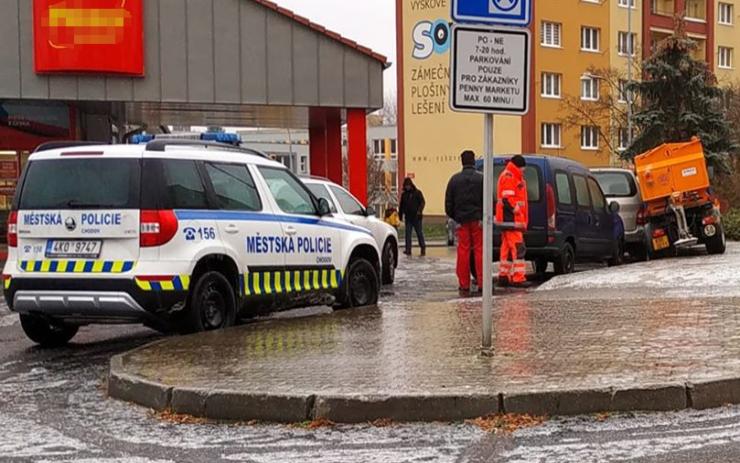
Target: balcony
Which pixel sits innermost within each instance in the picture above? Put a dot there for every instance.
(696, 10)
(663, 7)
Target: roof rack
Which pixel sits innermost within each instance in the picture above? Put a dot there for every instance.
(162, 144)
(55, 145)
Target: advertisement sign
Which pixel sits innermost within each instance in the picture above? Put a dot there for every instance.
(25, 125)
(499, 12)
(101, 36)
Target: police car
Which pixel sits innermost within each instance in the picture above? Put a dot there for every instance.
(345, 205)
(185, 235)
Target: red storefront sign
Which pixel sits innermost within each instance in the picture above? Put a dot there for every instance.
(103, 36)
(8, 170)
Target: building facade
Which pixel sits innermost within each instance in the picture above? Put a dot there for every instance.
(582, 50)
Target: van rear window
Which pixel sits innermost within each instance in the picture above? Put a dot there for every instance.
(81, 184)
(616, 184)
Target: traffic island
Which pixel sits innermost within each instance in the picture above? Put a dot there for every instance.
(409, 361)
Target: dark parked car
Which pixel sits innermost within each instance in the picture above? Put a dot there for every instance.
(569, 217)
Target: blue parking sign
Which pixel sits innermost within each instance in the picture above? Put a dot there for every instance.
(500, 12)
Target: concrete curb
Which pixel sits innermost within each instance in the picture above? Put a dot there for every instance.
(358, 408)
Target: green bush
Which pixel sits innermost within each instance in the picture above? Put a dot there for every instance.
(731, 222)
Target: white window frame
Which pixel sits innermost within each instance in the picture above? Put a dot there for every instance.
(556, 34)
(590, 36)
(627, 3)
(590, 88)
(626, 43)
(725, 14)
(724, 57)
(622, 91)
(552, 135)
(589, 137)
(554, 81)
(623, 136)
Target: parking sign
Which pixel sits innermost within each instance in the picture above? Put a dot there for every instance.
(501, 12)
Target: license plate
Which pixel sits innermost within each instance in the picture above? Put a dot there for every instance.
(87, 249)
(661, 243)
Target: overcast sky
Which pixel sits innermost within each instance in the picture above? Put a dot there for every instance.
(371, 23)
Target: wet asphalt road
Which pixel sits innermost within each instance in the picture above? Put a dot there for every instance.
(53, 409)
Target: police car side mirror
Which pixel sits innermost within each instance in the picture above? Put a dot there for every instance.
(370, 211)
(614, 207)
(324, 207)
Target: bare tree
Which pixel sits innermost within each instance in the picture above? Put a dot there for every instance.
(390, 109)
(609, 111)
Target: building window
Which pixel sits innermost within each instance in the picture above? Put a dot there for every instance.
(627, 3)
(377, 146)
(393, 146)
(622, 97)
(551, 85)
(550, 34)
(589, 88)
(623, 139)
(725, 13)
(725, 58)
(626, 43)
(589, 39)
(551, 135)
(589, 137)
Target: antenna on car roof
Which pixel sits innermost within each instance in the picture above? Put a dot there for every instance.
(162, 144)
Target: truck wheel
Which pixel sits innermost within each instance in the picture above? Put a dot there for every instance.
(565, 263)
(211, 305)
(617, 254)
(360, 285)
(540, 266)
(47, 334)
(389, 263)
(718, 243)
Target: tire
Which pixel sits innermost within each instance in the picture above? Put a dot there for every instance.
(718, 243)
(360, 285)
(211, 305)
(540, 266)
(565, 263)
(617, 254)
(389, 262)
(639, 252)
(47, 334)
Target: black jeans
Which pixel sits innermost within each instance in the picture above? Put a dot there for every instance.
(414, 224)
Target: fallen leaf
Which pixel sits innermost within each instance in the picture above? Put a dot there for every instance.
(506, 423)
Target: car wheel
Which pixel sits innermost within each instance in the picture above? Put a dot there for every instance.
(717, 244)
(211, 305)
(389, 262)
(565, 263)
(360, 285)
(540, 266)
(617, 254)
(45, 333)
(639, 252)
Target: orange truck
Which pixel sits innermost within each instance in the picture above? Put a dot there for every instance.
(680, 208)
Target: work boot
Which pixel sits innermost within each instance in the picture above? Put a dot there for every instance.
(462, 292)
(423, 252)
(407, 252)
(521, 284)
(503, 281)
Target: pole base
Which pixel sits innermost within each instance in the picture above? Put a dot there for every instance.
(486, 351)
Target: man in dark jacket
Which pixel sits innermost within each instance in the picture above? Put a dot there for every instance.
(464, 205)
(411, 211)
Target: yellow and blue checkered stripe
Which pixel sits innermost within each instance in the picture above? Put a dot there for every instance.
(296, 281)
(7, 279)
(176, 283)
(76, 266)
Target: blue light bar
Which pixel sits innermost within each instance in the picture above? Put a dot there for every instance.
(222, 137)
(141, 138)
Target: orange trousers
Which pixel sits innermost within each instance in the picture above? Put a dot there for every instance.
(512, 266)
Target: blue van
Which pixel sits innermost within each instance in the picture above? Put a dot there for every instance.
(569, 218)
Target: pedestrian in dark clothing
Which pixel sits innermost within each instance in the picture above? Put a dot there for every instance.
(464, 205)
(411, 211)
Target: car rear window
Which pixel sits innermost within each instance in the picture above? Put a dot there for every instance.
(616, 184)
(531, 175)
(75, 183)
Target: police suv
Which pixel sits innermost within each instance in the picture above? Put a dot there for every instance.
(182, 235)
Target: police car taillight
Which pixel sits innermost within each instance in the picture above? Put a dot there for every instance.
(13, 229)
(157, 227)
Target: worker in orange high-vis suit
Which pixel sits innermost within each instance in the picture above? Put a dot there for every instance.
(512, 217)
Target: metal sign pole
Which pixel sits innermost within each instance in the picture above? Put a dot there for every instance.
(487, 277)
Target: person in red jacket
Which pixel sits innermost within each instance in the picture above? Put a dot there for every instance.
(512, 217)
